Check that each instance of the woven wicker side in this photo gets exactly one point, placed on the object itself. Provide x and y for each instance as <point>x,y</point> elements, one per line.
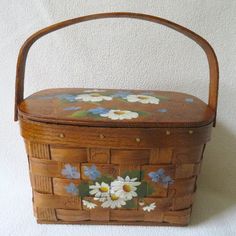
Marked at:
<point>53,203</point>
<point>41,182</point>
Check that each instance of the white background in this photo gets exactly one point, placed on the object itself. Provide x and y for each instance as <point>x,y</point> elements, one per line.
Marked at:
<point>120,53</point>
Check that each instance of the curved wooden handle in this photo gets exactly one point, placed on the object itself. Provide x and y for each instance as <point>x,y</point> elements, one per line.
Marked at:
<point>212,60</point>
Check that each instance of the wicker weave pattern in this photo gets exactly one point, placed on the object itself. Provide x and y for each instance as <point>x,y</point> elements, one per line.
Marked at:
<point>53,204</point>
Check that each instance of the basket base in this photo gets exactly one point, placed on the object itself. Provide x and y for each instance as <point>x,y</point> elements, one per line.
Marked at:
<point>110,223</point>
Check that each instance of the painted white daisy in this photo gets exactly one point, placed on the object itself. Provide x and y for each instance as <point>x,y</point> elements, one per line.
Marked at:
<point>92,97</point>
<point>100,191</point>
<point>120,114</point>
<point>89,205</point>
<point>125,188</point>
<point>100,199</point>
<point>150,207</point>
<point>113,201</point>
<point>145,99</point>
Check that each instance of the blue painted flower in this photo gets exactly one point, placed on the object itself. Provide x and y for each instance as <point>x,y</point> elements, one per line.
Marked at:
<point>189,100</point>
<point>163,110</point>
<point>98,110</point>
<point>121,94</point>
<point>159,176</point>
<point>67,97</point>
<point>92,172</point>
<point>71,188</point>
<point>70,172</point>
<point>156,176</point>
<point>166,180</point>
<point>71,108</point>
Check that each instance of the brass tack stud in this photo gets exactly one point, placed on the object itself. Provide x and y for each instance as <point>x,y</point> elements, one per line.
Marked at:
<point>167,132</point>
<point>62,135</point>
<point>101,136</point>
<point>190,131</point>
<point>138,140</point>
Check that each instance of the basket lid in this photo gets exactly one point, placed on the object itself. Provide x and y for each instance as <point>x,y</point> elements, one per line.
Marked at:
<point>116,108</point>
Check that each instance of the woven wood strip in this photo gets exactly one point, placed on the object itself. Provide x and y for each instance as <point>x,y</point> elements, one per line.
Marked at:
<point>55,201</point>
<point>49,168</point>
<point>62,154</point>
<point>139,157</point>
<point>188,155</point>
<point>183,187</point>
<point>178,217</point>
<point>38,150</point>
<point>105,169</point>
<point>99,155</point>
<point>72,215</point>
<point>52,168</point>
<point>100,215</point>
<point>46,214</point>
<point>183,202</point>
<point>42,184</point>
<point>59,186</point>
<point>126,215</point>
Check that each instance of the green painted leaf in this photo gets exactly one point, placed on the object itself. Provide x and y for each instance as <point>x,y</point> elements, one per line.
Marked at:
<point>105,179</point>
<point>95,116</point>
<point>143,113</point>
<point>162,97</point>
<point>67,101</point>
<point>141,175</point>
<point>78,114</point>
<point>132,174</point>
<point>130,204</point>
<point>83,189</point>
<point>150,190</point>
<point>142,189</point>
<point>121,99</point>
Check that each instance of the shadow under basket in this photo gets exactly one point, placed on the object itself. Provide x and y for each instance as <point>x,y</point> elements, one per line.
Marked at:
<point>106,156</point>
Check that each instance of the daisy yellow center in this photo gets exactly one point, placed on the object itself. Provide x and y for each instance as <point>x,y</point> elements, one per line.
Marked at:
<point>127,188</point>
<point>119,112</point>
<point>103,189</point>
<point>114,197</point>
<point>142,97</point>
<point>95,95</point>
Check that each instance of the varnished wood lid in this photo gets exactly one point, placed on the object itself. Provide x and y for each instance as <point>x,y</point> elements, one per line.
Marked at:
<point>116,108</point>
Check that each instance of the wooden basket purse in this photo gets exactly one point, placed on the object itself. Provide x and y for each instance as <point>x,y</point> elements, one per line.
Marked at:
<point>106,156</point>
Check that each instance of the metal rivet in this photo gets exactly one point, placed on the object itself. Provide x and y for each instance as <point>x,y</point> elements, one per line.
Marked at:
<point>190,131</point>
<point>101,136</point>
<point>167,132</point>
<point>138,140</point>
<point>62,135</point>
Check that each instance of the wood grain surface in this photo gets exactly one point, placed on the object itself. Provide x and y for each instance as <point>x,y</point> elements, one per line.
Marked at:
<point>173,110</point>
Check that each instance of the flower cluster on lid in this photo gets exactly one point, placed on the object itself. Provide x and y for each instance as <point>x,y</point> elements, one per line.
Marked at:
<point>96,95</point>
